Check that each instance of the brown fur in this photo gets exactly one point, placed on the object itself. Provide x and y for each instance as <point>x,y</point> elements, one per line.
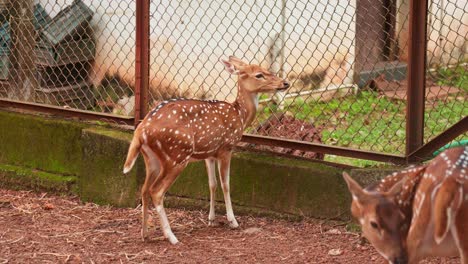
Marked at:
<point>179,131</point>
<point>418,212</point>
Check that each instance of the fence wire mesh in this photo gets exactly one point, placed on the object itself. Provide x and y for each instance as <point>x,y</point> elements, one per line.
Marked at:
<point>346,61</point>
<point>66,53</point>
<point>447,57</point>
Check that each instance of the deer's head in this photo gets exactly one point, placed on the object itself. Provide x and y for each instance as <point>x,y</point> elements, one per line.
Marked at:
<point>381,219</point>
<point>253,78</point>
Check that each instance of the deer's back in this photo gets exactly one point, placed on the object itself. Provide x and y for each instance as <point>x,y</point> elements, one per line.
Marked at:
<point>444,185</point>
<point>191,128</point>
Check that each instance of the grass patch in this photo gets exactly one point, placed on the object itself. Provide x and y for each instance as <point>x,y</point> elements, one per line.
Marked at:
<point>456,77</point>
<point>369,121</point>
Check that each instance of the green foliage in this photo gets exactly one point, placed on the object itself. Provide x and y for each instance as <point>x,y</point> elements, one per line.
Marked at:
<point>452,77</point>
<point>370,121</point>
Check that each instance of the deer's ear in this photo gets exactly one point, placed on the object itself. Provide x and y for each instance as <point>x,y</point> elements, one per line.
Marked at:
<point>237,61</point>
<point>230,67</point>
<point>354,188</point>
<point>447,201</point>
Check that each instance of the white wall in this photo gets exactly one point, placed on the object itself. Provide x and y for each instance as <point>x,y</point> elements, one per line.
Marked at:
<point>448,31</point>
<point>189,37</point>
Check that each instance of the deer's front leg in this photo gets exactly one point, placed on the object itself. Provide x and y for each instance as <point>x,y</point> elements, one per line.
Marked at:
<point>224,163</point>
<point>460,232</point>
<point>210,168</point>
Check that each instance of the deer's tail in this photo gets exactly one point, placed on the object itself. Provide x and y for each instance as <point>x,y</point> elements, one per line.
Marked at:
<point>132,155</point>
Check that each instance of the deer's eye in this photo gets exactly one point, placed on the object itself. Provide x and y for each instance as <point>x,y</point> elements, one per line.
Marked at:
<point>374,225</point>
<point>260,76</point>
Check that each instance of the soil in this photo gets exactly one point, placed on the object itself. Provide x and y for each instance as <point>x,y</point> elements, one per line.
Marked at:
<point>282,125</point>
<point>43,228</point>
<point>398,89</point>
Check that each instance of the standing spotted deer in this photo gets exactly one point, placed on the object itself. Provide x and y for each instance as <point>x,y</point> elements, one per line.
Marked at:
<point>418,212</point>
<point>179,131</point>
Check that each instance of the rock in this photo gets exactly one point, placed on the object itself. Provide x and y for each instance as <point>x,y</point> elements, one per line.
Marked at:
<point>335,252</point>
<point>125,106</point>
<point>334,231</point>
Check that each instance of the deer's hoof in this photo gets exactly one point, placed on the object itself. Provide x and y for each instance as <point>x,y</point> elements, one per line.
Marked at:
<point>173,240</point>
<point>233,224</point>
<point>143,236</point>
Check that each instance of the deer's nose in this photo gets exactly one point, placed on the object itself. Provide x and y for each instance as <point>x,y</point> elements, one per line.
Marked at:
<point>286,84</point>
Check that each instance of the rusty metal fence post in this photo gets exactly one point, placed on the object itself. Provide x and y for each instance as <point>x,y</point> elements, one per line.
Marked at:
<point>142,59</point>
<point>416,75</point>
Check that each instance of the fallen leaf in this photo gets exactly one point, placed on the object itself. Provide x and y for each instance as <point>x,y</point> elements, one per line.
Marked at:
<point>48,206</point>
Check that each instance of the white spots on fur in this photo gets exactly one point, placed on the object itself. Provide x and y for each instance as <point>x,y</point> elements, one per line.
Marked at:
<point>418,201</point>
<point>210,126</point>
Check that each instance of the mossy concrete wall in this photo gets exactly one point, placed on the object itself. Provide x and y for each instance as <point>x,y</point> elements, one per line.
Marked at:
<point>36,142</point>
<point>89,159</point>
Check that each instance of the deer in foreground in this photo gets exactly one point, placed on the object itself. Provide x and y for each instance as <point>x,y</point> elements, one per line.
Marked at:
<point>418,212</point>
<point>179,131</point>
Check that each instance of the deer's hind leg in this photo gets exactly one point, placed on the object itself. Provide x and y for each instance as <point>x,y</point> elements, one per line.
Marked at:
<point>158,189</point>
<point>152,166</point>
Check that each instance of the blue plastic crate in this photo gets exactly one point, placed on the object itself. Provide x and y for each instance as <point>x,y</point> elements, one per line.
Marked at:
<point>71,22</point>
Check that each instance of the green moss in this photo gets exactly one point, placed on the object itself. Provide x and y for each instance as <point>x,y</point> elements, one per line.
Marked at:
<point>38,142</point>
<point>367,176</point>
<point>197,204</point>
<point>19,178</point>
<point>278,160</point>
<point>96,154</point>
<point>111,133</point>
<point>101,177</point>
<point>273,183</point>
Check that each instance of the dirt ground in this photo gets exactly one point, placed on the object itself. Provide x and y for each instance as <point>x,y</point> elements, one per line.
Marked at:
<point>43,228</point>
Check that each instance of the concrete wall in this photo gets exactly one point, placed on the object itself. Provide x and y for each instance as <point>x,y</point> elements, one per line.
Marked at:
<point>447,27</point>
<point>51,154</point>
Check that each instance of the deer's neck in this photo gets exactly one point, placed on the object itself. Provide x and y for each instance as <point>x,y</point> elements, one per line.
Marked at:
<point>406,198</point>
<point>246,103</point>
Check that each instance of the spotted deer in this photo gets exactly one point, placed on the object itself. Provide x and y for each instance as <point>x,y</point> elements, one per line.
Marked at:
<point>179,131</point>
<point>418,212</point>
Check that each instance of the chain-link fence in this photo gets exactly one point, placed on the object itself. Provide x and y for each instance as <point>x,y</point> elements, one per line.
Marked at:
<point>67,53</point>
<point>447,58</point>
<point>347,62</point>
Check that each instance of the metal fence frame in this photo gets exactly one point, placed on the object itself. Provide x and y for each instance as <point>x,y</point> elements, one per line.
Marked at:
<point>416,150</point>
